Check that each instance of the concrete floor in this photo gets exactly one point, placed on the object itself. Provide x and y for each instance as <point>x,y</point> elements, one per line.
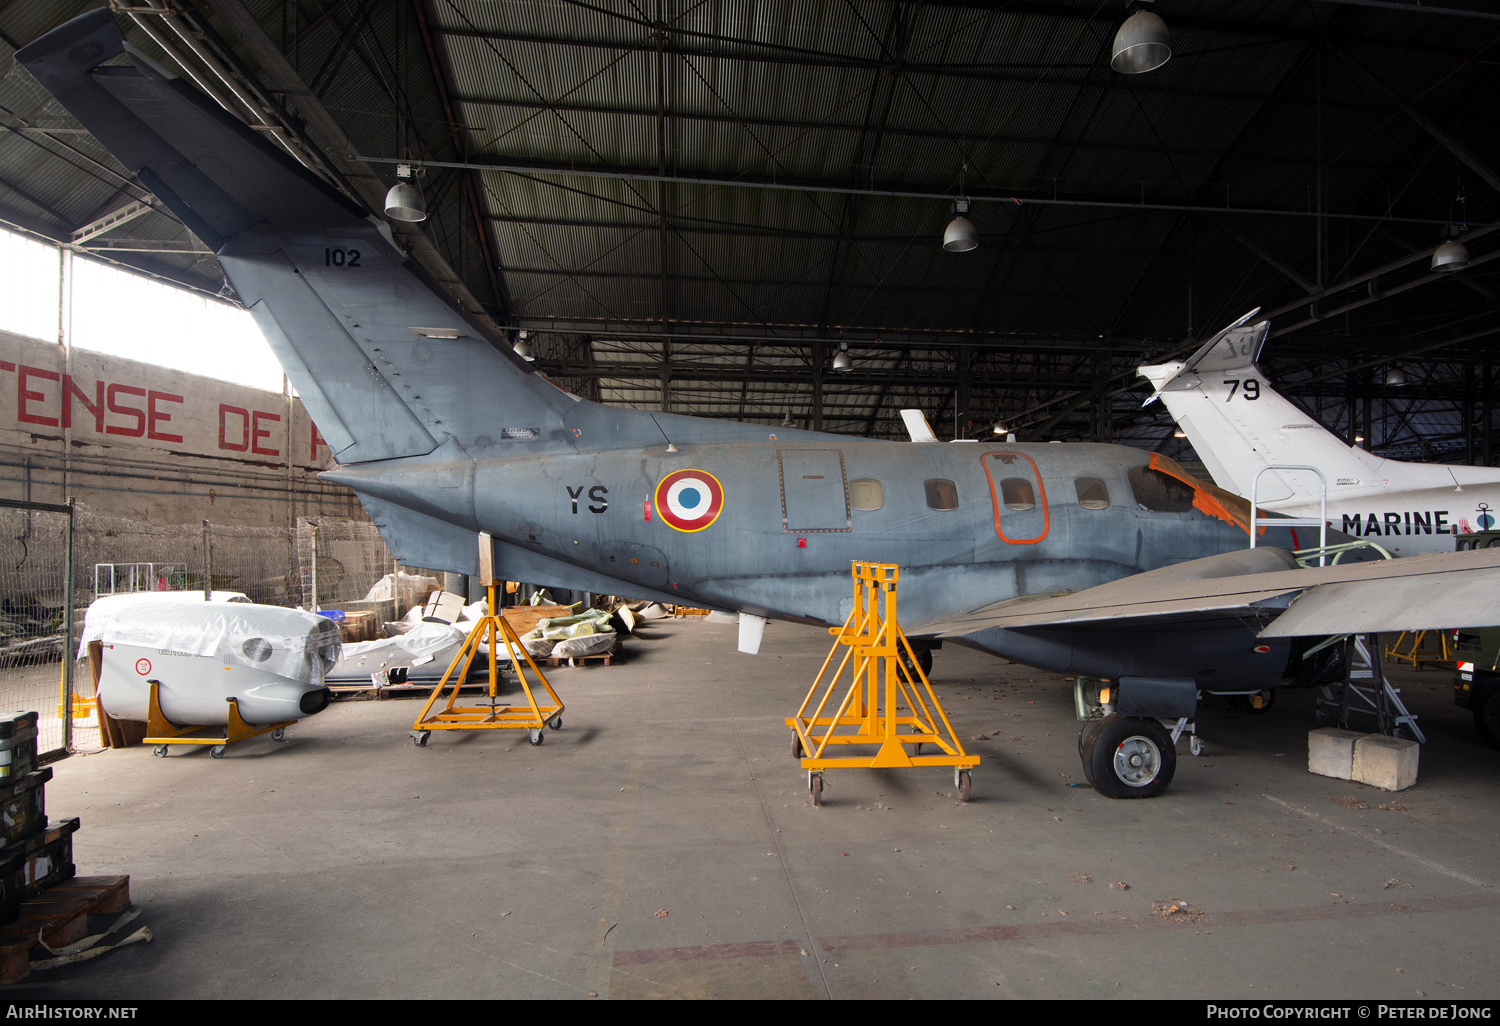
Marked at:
<point>662,845</point>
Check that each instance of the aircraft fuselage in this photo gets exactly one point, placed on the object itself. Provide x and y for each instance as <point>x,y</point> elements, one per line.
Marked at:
<point>770,528</point>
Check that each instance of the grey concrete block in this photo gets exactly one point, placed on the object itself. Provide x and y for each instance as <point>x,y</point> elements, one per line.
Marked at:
<point>1330,752</point>
<point>1386,762</point>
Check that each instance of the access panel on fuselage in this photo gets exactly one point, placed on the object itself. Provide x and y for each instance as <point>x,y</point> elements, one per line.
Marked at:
<point>1017,497</point>
<point>814,493</point>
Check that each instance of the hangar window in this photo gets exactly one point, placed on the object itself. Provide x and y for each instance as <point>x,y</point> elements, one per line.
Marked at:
<point>1091,493</point>
<point>942,493</point>
<point>866,493</point>
<point>1017,493</point>
<point>1158,492</point>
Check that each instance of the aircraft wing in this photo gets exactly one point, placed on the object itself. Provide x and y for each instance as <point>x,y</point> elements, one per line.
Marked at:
<point>1416,593</point>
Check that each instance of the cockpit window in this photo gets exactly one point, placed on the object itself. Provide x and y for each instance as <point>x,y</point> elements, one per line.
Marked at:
<point>1091,493</point>
<point>1017,493</point>
<point>866,493</point>
<point>1159,493</point>
<point>942,493</point>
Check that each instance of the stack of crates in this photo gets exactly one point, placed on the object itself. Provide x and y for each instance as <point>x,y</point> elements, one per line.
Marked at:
<point>34,855</point>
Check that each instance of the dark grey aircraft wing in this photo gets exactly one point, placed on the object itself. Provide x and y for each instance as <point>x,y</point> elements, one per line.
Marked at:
<point>1416,593</point>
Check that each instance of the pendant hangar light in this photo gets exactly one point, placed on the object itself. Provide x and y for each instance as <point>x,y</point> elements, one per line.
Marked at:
<point>1395,377</point>
<point>1452,255</point>
<point>841,362</point>
<point>960,236</point>
<point>1142,43</point>
<point>523,348</point>
<point>403,202</point>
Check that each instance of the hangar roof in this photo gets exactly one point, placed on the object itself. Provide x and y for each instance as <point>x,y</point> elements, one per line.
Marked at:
<point>696,204</point>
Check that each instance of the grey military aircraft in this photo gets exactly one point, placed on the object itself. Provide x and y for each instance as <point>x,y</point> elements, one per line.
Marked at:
<point>1091,560</point>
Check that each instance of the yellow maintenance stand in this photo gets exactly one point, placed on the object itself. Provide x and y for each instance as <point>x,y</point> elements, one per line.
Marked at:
<point>886,678</point>
<point>1416,651</point>
<point>489,630</point>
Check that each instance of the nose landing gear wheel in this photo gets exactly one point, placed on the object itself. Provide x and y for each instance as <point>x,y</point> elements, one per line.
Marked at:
<point>1129,757</point>
<point>815,786</point>
<point>535,737</point>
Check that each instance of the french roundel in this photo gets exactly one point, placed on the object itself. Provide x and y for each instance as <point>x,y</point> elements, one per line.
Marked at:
<point>689,500</point>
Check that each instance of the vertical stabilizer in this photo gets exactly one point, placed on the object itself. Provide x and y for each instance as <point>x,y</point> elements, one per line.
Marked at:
<point>386,363</point>
<point>1239,425</point>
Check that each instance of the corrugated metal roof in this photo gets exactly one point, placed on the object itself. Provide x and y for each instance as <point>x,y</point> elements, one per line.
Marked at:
<point>1260,103</point>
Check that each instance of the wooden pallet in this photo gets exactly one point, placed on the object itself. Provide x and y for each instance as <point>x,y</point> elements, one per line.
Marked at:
<point>61,916</point>
<point>553,662</point>
<point>523,618</point>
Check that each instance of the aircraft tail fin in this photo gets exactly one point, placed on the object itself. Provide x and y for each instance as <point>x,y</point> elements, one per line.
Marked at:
<point>386,364</point>
<point>1240,426</point>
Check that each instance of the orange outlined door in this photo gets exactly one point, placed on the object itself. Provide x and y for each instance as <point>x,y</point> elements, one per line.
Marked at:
<point>1018,498</point>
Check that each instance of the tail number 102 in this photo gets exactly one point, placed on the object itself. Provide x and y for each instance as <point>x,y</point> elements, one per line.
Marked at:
<point>340,258</point>
<point>1251,388</point>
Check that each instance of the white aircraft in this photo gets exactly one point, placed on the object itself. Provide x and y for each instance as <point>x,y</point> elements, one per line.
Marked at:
<point>1241,428</point>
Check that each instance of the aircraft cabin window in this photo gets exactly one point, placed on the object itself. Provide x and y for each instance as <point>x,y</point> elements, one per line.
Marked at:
<point>1091,493</point>
<point>1158,492</point>
<point>866,493</point>
<point>1017,493</point>
<point>942,493</point>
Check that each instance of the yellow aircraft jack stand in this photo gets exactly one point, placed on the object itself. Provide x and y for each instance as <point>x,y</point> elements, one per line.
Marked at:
<point>869,712</point>
<point>531,717</point>
<point>162,733</point>
<point>1416,654</point>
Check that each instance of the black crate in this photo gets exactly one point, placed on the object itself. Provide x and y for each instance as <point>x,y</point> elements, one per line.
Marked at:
<point>23,812</point>
<point>17,746</point>
<point>30,866</point>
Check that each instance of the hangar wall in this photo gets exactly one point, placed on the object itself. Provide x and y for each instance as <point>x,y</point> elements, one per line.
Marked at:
<point>151,443</point>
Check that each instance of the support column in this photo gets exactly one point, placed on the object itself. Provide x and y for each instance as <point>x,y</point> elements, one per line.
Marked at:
<point>819,354</point>
<point>65,340</point>
<point>1468,408</point>
<point>1488,410</point>
<point>1366,401</point>
<point>964,361</point>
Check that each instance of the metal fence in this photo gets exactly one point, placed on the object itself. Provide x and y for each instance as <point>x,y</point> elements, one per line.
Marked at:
<point>317,564</point>
<point>38,613</point>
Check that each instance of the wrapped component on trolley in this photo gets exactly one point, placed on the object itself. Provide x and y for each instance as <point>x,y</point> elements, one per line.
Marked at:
<point>271,661</point>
